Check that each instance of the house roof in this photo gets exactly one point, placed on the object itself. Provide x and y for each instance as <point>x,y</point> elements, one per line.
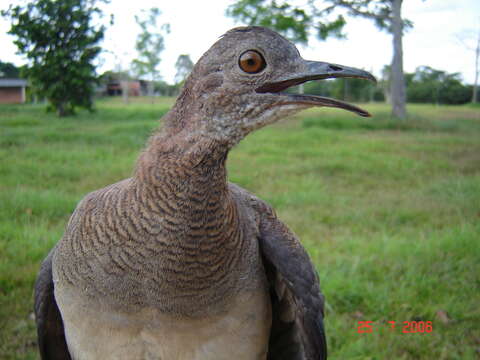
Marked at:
<point>13,82</point>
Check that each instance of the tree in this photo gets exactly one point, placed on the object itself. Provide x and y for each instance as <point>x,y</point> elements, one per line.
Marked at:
<point>386,83</point>
<point>428,85</point>
<point>150,43</point>
<point>295,24</point>
<point>387,16</point>
<point>475,84</point>
<point>467,38</point>
<point>166,89</point>
<point>353,90</point>
<point>9,70</point>
<point>184,66</point>
<point>60,43</point>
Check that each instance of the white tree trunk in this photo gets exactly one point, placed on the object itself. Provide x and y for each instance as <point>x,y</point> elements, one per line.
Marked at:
<point>150,88</point>
<point>151,91</point>
<point>124,84</point>
<point>398,82</point>
<point>475,84</point>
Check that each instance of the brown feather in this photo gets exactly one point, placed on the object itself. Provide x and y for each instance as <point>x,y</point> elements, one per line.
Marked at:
<point>176,244</point>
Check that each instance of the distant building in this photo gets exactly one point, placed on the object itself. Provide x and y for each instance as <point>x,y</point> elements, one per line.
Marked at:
<point>12,91</point>
<point>116,83</point>
<point>116,87</point>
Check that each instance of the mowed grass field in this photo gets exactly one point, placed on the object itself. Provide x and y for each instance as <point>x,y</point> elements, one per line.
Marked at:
<point>389,212</point>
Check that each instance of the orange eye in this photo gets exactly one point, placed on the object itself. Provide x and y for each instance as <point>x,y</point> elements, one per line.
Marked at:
<point>251,62</point>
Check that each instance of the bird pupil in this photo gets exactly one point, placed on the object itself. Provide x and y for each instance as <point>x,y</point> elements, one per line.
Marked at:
<point>251,62</point>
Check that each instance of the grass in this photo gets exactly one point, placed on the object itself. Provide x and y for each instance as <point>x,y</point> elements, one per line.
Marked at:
<point>389,212</point>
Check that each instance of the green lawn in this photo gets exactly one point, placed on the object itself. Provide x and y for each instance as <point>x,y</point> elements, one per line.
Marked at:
<point>390,212</point>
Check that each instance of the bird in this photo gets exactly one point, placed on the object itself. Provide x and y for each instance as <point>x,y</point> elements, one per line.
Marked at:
<point>176,262</point>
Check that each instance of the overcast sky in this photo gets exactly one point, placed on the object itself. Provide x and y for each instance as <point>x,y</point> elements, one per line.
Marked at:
<point>195,25</point>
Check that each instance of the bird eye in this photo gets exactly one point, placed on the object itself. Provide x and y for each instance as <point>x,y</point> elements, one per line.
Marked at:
<point>251,62</point>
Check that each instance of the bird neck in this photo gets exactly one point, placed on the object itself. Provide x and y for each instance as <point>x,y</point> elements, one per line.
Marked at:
<point>184,175</point>
<point>183,182</point>
<point>184,163</point>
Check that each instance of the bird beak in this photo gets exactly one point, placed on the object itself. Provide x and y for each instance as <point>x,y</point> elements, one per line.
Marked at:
<point>317,70</point>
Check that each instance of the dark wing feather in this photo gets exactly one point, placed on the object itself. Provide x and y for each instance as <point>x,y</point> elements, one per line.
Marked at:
<point>297,304</point>
<point>51,336</point>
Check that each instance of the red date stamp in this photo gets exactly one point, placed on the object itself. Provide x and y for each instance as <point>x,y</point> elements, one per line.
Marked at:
<point>408,327</point>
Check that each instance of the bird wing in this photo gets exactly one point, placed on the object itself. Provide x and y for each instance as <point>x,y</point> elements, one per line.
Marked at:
<point>51,335</point>
<point>297,304</point>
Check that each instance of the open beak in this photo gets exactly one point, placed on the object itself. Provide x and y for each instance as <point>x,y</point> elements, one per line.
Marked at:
<point>316,70</point>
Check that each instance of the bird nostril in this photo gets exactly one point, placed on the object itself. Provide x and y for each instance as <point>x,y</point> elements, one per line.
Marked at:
<point>334,68</point>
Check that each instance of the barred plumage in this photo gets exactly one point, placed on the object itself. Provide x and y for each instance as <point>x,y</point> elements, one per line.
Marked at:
<point>177,263</point>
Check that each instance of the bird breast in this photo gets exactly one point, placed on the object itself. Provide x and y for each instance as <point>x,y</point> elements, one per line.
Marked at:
<point>136,253</point>
<point>95,331</point>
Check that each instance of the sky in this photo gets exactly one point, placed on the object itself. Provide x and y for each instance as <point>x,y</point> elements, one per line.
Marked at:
<point>196,25</point>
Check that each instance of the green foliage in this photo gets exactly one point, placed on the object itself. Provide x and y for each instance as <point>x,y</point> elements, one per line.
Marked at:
<point>353,90</point>
<point>150,44</point>
<point>428,85</point>
<point>184,66</point>
<point>293,22</point>
<point>380,11</point>
<point>296,23</point>
<point>165,89</point>
<point>9,70</point>
<point>110,75</point>
<point>389,215</point>
<point>60,42</point>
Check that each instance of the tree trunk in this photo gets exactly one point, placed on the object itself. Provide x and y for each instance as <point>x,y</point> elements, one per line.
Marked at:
<point>346,94</point>
<point>125,86</point>
<point>398,82</point>
<point>301,90</point>
<point>387,92</point>
<point>475,84</point>
<point>151,91</point>
<point>61,111</point>
<point>372,88</point>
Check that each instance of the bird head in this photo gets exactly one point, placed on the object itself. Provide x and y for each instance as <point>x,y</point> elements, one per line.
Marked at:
<point>238,85</point>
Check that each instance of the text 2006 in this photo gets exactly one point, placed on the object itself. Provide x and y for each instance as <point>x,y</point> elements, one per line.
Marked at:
<point>410,327</point>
